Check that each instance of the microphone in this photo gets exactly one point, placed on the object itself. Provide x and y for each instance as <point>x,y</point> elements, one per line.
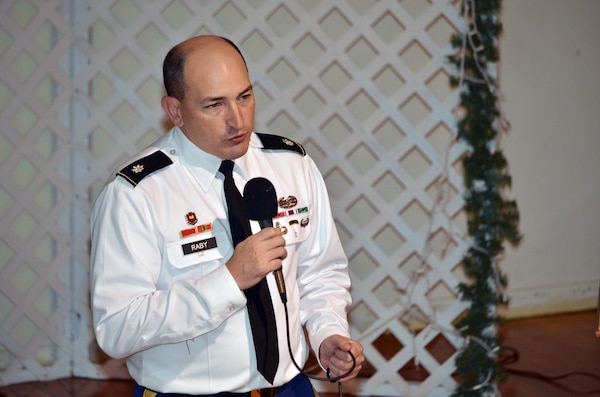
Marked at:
<point>261,204</point>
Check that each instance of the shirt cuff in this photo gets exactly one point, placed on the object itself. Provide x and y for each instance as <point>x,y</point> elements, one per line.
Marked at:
<point>226,296</point>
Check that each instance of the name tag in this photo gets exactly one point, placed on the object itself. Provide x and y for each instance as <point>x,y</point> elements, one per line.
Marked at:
<point>200,245</point>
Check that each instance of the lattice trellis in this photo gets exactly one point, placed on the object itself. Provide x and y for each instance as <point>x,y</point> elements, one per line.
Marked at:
<point>361,83</point>
<point>35,192</point>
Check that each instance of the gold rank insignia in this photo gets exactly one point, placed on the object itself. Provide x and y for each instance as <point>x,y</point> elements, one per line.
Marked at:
<point>275,142</point>
<point>135,172</point>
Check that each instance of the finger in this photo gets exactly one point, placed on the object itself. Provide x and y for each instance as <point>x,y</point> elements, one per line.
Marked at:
<point>270,232</point>
<point>343,354</point>
<point>342,365</point>
<point>281,253</point>
<point>273,242</point>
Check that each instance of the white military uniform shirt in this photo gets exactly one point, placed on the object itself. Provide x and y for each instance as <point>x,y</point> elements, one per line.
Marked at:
<point>161,295</point>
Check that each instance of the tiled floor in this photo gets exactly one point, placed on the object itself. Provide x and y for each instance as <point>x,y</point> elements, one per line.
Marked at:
<point>546,346</point>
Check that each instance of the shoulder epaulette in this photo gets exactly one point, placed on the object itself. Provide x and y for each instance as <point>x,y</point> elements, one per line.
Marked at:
<point>143,167</point>
<point>276,142</point>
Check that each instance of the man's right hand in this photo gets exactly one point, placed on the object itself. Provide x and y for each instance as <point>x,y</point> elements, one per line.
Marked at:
<point>256,256</point>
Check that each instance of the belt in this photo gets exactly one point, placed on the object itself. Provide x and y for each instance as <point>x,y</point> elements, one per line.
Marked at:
<point>266,392</point>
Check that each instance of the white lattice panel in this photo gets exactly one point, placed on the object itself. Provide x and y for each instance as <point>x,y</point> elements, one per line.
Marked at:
<point>35,191</point>
<point>361,83</point>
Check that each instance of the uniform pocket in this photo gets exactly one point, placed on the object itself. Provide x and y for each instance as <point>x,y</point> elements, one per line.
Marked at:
<point>199,249</point>
<point>295,228</point>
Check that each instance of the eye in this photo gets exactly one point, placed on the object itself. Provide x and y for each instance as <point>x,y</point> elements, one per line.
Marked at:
<point>213,105</point>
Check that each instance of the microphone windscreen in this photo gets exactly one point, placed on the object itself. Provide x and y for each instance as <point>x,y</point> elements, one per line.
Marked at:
<point>261,199</point>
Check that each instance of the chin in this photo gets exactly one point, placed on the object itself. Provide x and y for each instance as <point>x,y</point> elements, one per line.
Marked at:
<point>237,151</point>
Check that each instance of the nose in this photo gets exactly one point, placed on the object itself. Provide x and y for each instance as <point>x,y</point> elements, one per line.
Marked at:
<point>235,118</point>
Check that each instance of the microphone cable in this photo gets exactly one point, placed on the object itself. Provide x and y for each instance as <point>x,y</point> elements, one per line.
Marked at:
<point>328,377</point>
<point>511,355</point>
<point>261,204</point>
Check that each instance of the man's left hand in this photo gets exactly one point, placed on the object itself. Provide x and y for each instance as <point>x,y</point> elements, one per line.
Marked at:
<point>334,356</point>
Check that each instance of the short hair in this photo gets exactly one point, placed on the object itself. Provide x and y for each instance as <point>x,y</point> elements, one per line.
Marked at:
<point>174,63</point>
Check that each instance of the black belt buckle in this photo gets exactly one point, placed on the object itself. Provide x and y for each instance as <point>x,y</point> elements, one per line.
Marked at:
<point>268,392</point>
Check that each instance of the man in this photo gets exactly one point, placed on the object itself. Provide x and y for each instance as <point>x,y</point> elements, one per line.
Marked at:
<point>168,283</point>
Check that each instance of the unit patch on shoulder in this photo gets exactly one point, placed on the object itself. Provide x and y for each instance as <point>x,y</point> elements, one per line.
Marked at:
<point>276,142</point>
<point>143,167</point>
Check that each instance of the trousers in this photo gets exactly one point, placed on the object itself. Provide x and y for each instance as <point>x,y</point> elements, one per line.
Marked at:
<point>299,386</point>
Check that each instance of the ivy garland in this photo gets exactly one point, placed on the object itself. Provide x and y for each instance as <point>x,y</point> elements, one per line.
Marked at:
<point>492,220</point>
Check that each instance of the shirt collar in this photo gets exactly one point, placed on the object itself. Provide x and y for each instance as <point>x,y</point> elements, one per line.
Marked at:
<point>205,165</point>
<point>245,163</point>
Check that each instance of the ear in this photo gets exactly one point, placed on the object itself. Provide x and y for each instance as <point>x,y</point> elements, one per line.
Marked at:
<point>172,108</point>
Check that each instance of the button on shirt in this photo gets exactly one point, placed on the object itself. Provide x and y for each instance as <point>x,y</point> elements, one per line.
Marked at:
<point>177,314</point>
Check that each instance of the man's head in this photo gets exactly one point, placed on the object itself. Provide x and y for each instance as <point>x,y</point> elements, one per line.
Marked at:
<point>174,61</point>
<point>209,95</point>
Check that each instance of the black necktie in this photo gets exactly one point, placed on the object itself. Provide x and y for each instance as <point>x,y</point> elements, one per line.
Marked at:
<point>260,307</point>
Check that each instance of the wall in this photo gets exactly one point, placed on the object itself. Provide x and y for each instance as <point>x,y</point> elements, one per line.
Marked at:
<point>548,71</point>
<point>363,85</point>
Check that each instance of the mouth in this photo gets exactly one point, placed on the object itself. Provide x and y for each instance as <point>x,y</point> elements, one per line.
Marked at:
<point>239,138</point>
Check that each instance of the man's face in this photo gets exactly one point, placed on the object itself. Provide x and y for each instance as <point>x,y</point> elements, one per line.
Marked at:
<point>217,112</point>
